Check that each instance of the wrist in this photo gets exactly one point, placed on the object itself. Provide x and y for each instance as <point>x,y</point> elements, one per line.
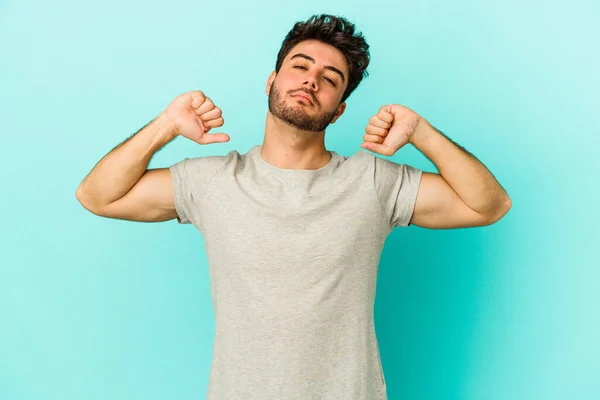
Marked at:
<point>156,133</point>
<point>421,134</point>
<point>166,127</point>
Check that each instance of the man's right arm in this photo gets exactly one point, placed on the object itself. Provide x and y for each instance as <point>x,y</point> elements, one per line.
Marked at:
<point>120,185</point>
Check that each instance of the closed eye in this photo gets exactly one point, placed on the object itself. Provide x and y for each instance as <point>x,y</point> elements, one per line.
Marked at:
<point>331,81</point>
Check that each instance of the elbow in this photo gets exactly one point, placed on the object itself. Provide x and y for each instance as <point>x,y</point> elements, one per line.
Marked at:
<point>85,201</point>
<point>79,193</point>
<point>507,204</point>
<point>500,210</point>
<point>81,198</point>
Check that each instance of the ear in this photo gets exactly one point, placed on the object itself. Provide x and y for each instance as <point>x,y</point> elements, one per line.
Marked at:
<point>340,110</point>
<point>270,82</point>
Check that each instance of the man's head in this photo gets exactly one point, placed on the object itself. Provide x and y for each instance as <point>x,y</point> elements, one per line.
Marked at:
<point>322,59</point>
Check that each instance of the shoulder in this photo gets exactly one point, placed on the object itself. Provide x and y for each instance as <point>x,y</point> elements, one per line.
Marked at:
<point>204,165</point>
<point>359,159</point>
<point>385,172</point>
<point>369,162</point>
<point>217,160</point>
<point>212,160</point>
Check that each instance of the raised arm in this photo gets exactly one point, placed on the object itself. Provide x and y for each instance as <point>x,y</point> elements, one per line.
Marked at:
<point>464,193</point>
<point>121,186</point>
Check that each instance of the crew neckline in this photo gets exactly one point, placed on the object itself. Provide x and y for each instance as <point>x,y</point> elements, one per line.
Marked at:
<point>276,169</point>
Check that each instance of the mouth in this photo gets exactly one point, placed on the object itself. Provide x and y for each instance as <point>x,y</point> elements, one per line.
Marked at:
<point>303,96</point>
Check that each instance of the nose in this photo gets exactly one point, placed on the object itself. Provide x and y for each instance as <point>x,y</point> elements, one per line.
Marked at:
<point>311,82</point>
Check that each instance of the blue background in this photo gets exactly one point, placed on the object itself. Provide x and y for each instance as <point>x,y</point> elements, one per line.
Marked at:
<point>93,308</point>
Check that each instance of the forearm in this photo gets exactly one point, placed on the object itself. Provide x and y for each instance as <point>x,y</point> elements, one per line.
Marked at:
<point>118,171</point>
<point>469,178</point>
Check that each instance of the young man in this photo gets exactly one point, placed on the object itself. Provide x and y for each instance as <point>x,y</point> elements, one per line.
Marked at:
<point>293,232</point>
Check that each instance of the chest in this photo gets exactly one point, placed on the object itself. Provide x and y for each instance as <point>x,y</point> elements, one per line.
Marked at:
<point>295,226</point>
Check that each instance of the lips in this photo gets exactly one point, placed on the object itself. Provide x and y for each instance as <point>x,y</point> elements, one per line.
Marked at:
<point>304,96</point>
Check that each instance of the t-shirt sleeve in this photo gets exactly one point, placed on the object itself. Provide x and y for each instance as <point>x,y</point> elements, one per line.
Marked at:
<point>397,186</point>
<point>191,178</point>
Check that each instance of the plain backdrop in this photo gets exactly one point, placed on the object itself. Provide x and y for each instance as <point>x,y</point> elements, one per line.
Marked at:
<point>95,309</point>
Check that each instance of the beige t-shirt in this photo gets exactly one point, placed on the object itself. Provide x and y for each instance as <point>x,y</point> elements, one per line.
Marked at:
<point>293,258</point>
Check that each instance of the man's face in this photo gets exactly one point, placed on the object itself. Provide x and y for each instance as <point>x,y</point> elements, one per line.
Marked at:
<point>307,91</point>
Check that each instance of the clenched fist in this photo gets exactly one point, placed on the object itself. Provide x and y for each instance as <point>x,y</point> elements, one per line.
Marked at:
<point>392,127</point>
<point>193,115</point>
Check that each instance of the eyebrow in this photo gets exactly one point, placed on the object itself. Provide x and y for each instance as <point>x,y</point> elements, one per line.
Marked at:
<point>329,67</point>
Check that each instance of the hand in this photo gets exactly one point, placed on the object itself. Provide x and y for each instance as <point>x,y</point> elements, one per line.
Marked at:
<point>193,115</point>
<point>390,129</point>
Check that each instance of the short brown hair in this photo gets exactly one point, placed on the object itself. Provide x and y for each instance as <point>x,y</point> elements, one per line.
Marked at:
<point>337,32</point>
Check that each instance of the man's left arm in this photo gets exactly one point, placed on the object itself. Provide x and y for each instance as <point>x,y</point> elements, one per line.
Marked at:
<point>463,194</point>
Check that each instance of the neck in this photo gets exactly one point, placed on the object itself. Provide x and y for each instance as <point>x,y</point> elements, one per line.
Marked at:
<point>287,147</point>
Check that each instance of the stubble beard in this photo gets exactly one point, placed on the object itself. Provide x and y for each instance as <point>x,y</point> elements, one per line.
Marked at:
<point>296,116</point>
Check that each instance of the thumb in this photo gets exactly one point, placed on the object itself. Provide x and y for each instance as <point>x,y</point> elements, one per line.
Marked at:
<point>378,148</point>
<point>209,138</point>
